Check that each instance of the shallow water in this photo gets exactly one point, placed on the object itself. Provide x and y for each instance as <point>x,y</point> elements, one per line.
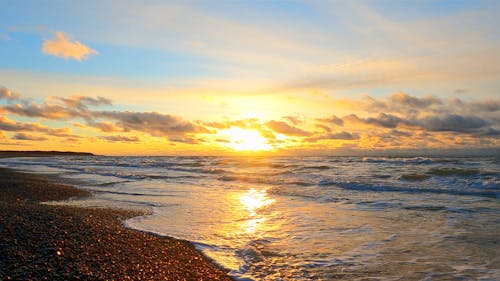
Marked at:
<point>303,218</point>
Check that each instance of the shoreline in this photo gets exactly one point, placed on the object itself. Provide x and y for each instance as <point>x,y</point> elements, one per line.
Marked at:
<point>57,242</point>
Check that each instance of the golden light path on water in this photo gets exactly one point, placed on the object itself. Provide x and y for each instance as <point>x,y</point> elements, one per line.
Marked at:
<point>252,201</point>
<point>246,216</point>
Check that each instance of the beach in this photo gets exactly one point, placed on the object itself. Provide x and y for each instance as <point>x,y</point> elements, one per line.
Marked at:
<point>45,242</point>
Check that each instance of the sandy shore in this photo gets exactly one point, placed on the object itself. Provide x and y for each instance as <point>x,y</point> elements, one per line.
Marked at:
<point>42,242</point>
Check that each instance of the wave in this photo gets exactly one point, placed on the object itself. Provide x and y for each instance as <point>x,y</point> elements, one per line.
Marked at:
<point>259,179</point>
<point>105,184</point>
<point>163,177</point>
<point>409,160</point>
<point>318,167</point>
<point>127,193</point>
<point>301,183</point>
<point>414,177</point>
<point>228,178</point>
<point>490,174</point>
<point>385,205</point>
<point>283,166</point>
<point>448,172</point>
<point>385,188</point>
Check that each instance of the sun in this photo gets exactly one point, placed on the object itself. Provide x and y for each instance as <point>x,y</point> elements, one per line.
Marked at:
<point>245,139</point>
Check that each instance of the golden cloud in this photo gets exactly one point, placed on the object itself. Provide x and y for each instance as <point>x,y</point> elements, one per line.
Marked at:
<point>62,47</point>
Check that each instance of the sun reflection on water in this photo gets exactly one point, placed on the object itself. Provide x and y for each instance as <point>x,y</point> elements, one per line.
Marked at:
<point>255,199</point>
<point>252,201</point>
<point>251,226</point>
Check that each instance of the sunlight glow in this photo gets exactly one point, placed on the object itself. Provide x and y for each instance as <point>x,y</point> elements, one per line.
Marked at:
<point>252,201</point>
<point>245,140</point>
<point>252,225</point>
<point>255,199</point>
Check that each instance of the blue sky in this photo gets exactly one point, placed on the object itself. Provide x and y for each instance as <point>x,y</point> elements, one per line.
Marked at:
<point>134,43</point>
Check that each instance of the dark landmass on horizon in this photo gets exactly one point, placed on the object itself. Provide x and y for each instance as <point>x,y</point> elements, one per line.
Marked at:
<point>47,242</point>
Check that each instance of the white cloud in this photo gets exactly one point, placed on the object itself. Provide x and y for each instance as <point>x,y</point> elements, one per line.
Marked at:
<point>62,47</point>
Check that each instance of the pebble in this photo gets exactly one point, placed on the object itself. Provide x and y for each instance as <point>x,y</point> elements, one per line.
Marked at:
<point>42,242</point>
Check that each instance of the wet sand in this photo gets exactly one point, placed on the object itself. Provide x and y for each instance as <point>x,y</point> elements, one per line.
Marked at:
<point>45,242</point>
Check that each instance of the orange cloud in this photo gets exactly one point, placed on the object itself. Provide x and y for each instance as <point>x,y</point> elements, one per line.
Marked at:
<point>62,47</point>
<point>28,137</point>
<point>12,126</point>
<point>119,138</point>
<point>285,129</point>
<point>395,121</point>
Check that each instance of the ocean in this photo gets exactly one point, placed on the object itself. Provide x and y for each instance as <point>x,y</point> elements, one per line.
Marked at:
<point>308,218</point>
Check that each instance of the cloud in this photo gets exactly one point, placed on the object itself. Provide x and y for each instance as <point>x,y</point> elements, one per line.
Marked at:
<point>83,102</point>
<point>23,136</point>
<point>323,127</point>
<point>387,121</point>
<point>425,113</point>
<point>293,119</point>
<point>62,47</point>
<point>284,128</point>
<point>419,52</point>
<point>334,136</point>
<point>121,138</point>
<point>13,126</point>
<point>453,123</point>
<point>55,108</point>
<point>63,108</point>
<point>399,133</point>
<point>105,126</point>
<point>247,123</point>
<point>8,94</point>
<point>397,120</point>
<point>153,123</point>
<point>490,105</point>
<point>185,140</point>
<point>400,103</point>
<point>413,107</point>
<point>403,99</point>
<point>342,136</point>
<point>333,120</point>
<point>490,132</point>
<point>42,111</point>
<point>432,123</point>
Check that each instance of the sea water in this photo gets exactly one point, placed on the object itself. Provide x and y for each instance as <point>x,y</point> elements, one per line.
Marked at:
<point>309,218</point>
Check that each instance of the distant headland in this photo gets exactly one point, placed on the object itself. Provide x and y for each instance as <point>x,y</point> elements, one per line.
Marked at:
<point>37,153</point>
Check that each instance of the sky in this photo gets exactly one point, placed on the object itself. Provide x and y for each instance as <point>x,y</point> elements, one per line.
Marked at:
<point>238,77</point>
